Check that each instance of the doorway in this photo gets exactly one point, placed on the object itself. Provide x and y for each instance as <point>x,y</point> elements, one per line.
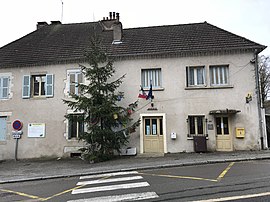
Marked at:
<point>223,134</point>
<point>153,135</point>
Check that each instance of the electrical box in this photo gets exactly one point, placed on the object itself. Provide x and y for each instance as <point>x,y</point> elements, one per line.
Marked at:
<point>173,135</point>
<point>240,132</point>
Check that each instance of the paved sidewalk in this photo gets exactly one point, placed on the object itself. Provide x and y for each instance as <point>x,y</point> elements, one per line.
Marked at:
<point>26,170</point>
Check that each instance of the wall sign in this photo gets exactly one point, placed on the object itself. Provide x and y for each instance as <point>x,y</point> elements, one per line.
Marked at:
<point>36,130</point>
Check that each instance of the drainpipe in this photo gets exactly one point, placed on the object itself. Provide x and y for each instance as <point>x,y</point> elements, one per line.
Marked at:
<point>258,96</point>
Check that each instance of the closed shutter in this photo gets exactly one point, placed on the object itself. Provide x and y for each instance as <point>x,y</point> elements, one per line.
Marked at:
<point>3,128</point>
<point>49,85</point>
<point>26,86</point>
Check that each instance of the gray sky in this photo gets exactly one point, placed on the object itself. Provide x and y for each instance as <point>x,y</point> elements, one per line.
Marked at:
<point>247,18</point>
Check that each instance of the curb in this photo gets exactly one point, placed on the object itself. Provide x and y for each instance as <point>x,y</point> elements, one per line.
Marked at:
<point>147,167</point>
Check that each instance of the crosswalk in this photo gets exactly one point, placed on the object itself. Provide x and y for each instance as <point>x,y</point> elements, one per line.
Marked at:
<point>102,183</point>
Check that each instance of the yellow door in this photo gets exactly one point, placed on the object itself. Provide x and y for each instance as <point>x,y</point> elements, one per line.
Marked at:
<point>224,138</point>
<point>153,135</point>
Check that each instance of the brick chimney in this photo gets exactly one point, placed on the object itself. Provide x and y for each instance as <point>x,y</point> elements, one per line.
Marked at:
<point>112,23</point>
<point>41,24</point>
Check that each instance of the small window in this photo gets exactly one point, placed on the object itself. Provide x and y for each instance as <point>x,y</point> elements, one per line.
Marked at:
<point>75,126</point>
<point>75,77</point>
<point>196,126</point>
<point>151,76</point>
<point>195,76</point>
<point>4,87</point>
<point>219,75</point>
<point>37,85</point>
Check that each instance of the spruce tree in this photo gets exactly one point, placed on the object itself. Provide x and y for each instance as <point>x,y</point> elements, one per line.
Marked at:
<point>108,124</point>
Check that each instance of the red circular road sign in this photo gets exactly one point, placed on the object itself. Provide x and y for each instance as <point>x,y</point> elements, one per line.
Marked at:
<point>17,125</point>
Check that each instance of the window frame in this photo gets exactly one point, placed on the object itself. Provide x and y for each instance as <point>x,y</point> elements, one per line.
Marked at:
<point>2,77</point>
<point>194,82</point>
<point>76,72</point>
<point>71,136</point>
<point>28,86</point>
<point>219,75</point>
<point>147,75</point>
<point>196,126</point>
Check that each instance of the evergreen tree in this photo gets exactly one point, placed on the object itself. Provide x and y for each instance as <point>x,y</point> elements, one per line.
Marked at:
<point>108,124</point>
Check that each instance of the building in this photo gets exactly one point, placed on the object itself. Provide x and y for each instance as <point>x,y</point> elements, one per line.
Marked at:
<point>202,76</point>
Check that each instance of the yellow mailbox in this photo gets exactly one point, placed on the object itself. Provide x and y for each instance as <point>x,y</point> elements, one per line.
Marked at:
<point>240,132</point>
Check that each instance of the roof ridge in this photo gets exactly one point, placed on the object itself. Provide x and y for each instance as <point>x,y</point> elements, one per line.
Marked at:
<point>157,26</point>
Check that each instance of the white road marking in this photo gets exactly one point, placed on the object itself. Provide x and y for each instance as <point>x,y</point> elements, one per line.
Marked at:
<point>115,198</point>
<point>110,180</point>
<point>108,174</point>
<point>235,197</point>
<point>111,187</point>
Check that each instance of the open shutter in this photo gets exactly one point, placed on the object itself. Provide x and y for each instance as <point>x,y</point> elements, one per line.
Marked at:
<point>49,85</point>
<point>26,86</point>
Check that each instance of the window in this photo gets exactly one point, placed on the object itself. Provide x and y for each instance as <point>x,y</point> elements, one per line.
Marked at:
<point>4,87</point>
<point>196,126</point>
<point>37,86</point>
<point>75,126</point>
<point>219,75</point>
<point>153,126</point>
<point>195,76</point>
<point>74,78</point>
<point>151,76</point>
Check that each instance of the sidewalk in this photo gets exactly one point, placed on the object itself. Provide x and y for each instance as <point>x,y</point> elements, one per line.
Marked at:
<point>26,170</point>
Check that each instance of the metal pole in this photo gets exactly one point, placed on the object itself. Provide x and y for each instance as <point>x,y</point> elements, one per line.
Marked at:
<point>16,149</point>
<point>258,97</point>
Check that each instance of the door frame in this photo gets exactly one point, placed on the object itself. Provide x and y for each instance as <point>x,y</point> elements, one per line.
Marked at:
<point>230,132</point>
<point>142,116</point>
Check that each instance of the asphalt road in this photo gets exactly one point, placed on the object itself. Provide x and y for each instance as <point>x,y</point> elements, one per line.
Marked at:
<point>240,181</point>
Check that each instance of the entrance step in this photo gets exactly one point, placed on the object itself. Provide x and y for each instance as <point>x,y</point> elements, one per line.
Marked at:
<point>150,155</point>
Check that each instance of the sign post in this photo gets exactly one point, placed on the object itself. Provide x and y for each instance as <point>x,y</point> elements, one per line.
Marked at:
<point>17,126</point>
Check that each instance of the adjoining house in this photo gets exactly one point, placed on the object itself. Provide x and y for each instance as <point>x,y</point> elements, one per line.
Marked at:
<point>202,76</point>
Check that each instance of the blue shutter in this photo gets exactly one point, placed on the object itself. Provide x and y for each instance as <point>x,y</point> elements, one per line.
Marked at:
<point>26,86</point>
<point>49,85</point>
<point>3,128</point>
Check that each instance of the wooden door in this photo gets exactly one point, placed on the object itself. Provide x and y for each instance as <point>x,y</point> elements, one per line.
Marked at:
<point>153,135</point>
<point>224,137</point>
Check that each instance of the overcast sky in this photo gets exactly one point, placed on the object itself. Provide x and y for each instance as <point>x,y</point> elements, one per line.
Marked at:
<point>247,18</point>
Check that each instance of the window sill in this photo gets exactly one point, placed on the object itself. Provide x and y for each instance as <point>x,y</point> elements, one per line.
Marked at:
<point>191,138</point>
<point>155,89</point>
<point>208,87</point>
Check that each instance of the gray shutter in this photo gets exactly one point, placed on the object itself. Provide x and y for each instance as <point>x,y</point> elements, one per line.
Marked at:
<point>26,86</point>
<point>49,85</point>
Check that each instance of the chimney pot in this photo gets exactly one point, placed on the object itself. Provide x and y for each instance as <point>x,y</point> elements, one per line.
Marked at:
<point>110,14</point>
<point>113,15</point>
<point>117,17</point>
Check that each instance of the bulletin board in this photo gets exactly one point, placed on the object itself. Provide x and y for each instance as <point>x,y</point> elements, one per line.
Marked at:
<point>36,130</point>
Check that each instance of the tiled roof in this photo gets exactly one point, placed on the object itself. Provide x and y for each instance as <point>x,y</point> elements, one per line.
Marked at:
<point>67,42</point>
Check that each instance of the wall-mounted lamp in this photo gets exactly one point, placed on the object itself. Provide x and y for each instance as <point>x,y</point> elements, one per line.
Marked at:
<point>248,98</point>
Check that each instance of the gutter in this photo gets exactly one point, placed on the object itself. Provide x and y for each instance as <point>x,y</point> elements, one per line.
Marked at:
<point>258,96</point>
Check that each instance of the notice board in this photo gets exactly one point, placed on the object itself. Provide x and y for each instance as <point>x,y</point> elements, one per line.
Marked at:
<point>36,130</point>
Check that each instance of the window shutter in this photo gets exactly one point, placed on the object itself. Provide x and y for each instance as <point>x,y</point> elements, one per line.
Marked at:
<point>49,85</point>
<point>26,86</point>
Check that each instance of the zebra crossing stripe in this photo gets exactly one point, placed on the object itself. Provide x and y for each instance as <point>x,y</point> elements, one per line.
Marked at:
<point>111,187</point>
<point>124,197</point>
<point>108,174</point>
<point>109,180</point>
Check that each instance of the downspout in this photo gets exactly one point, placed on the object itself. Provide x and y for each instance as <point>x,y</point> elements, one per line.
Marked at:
<point>258,96</point>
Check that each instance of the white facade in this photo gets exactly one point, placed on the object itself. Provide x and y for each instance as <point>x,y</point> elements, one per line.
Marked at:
<point>177,102</point>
